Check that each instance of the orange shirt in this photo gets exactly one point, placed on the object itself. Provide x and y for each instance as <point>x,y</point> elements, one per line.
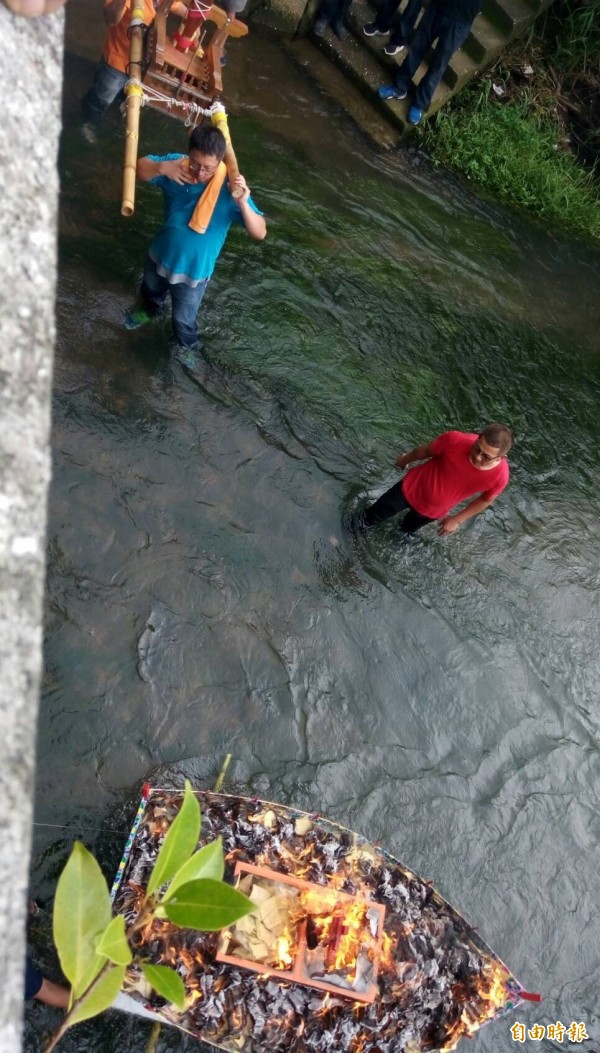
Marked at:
<point>116,45</point>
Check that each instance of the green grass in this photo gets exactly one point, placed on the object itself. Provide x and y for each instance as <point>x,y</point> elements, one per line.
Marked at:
<point>510,152</point>
<point>573,31</point>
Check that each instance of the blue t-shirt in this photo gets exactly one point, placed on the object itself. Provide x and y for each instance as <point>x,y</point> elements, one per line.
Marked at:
<point>33,979</point>
<point>180,253</point>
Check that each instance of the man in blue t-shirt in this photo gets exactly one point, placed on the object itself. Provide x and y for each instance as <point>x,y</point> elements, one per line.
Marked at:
<point>180,260</point>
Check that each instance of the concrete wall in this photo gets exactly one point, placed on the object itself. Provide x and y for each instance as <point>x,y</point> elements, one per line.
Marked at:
<point>31,80</point>
<point>284,16</point>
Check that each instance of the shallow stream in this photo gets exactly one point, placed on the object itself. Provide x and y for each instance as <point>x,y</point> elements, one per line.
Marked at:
<point>204,595</point>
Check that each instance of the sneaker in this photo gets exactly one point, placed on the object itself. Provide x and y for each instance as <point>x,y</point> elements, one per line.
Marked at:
<point>414,114</point>
<point>340,30</point>
<point>190,357</point>
<point>89,133</point>
<point>393,49</point>
<point>390,91</point>
<point>136,317</point>
<point>319,27</point>
<point>371,29</point>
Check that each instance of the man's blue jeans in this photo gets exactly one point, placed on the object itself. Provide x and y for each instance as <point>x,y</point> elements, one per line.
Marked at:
<point>185,302</point>
<point>108,83</point>
<point>450,35</point>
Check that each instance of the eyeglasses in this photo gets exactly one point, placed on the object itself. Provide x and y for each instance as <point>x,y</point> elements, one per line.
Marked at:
<point>208,170</point>
<point>487,458</point>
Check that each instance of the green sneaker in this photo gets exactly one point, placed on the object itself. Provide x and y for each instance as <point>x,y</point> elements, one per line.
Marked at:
<point>136,317</point>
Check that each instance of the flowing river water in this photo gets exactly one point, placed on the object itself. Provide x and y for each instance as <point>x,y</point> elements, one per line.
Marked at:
<point>204,594</point>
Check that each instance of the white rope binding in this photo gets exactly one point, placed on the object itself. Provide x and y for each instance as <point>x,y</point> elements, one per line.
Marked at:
<point>192,110</point>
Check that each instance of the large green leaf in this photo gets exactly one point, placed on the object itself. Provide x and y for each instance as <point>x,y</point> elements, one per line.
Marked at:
<point>90,973</point>
<point>166,982</point>
<point>207,863</point>
<point>81,912</point>
<point>179,843</point>
<point>207,904</point>
<point>113,942</point>
<point>100,997</point>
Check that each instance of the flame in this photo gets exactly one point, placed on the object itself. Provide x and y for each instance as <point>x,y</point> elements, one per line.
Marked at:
<point>491,988</point>
<point>388,945</point>
<point>283,951</point>
<point>352,938</point>
<point>489,996</point>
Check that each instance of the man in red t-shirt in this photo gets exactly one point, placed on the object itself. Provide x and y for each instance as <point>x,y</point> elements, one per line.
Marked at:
<point>457,465</point>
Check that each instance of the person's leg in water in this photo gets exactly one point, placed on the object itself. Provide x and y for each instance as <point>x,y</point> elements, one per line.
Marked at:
<point>186,300</point>
<point>153,294</point>
<point>392,503</point>
<point>413,521</point>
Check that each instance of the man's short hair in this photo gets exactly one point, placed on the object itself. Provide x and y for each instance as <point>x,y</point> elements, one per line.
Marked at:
<point>499,436</point>
<point>208,140</point>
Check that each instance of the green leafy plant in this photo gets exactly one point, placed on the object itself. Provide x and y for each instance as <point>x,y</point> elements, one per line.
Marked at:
<point>185,886</point>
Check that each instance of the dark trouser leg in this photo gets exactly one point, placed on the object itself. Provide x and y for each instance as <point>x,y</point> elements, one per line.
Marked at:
<point>389,504</point>
<point>386,12</point>
<point>413,521</point>
<point>333,10</point>
<point>451,36</point>
<point>425,34</point>
<point>154,288</point>
<point>402,34</point>
<point>186,304</point>
<point>107,84</point>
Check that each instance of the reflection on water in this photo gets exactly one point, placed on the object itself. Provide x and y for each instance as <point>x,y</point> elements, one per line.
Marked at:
<point>206,594</point>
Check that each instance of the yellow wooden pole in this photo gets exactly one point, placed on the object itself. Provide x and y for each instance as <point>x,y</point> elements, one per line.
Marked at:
<point>133,93</point>
<point>219,119</point>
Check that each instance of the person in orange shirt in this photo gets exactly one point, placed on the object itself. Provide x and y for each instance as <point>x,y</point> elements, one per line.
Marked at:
<point>111,74</point>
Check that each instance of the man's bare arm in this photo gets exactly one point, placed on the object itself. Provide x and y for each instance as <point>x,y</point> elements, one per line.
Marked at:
<point>254,224</point>
<point>53,994</point>
<point>420,453</point>
<point>113,11</point>
<point>451,523</point>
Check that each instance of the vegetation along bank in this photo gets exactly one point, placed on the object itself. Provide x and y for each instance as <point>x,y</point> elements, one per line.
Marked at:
<point>528,129</point>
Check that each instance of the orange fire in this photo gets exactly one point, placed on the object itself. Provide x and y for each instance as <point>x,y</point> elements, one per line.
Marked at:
<point>284,947</point>
<point>490,995</point>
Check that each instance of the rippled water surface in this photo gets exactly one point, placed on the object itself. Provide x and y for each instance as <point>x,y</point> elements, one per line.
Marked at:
<point>204,595</point>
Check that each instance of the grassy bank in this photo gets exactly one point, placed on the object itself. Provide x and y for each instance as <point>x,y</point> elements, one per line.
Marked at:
<point>527,130</point>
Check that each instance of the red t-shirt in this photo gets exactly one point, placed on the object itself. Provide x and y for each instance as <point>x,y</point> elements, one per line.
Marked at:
<point>434,487</point>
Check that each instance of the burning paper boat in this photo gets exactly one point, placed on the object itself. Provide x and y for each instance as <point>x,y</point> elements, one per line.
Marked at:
<point>347,950</point>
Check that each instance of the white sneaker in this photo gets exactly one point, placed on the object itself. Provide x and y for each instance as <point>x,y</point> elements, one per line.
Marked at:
<point>393,49</point>
<point>89,133</point>
<point>371,30</point>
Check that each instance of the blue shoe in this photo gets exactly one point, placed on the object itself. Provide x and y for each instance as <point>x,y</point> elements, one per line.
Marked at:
<point>414,114</point>
<point>390,91</point>
<point>136,317</point>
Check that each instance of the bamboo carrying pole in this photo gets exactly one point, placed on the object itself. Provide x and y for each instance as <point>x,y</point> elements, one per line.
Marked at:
<point>133,92</point>
<point>219,119</point>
